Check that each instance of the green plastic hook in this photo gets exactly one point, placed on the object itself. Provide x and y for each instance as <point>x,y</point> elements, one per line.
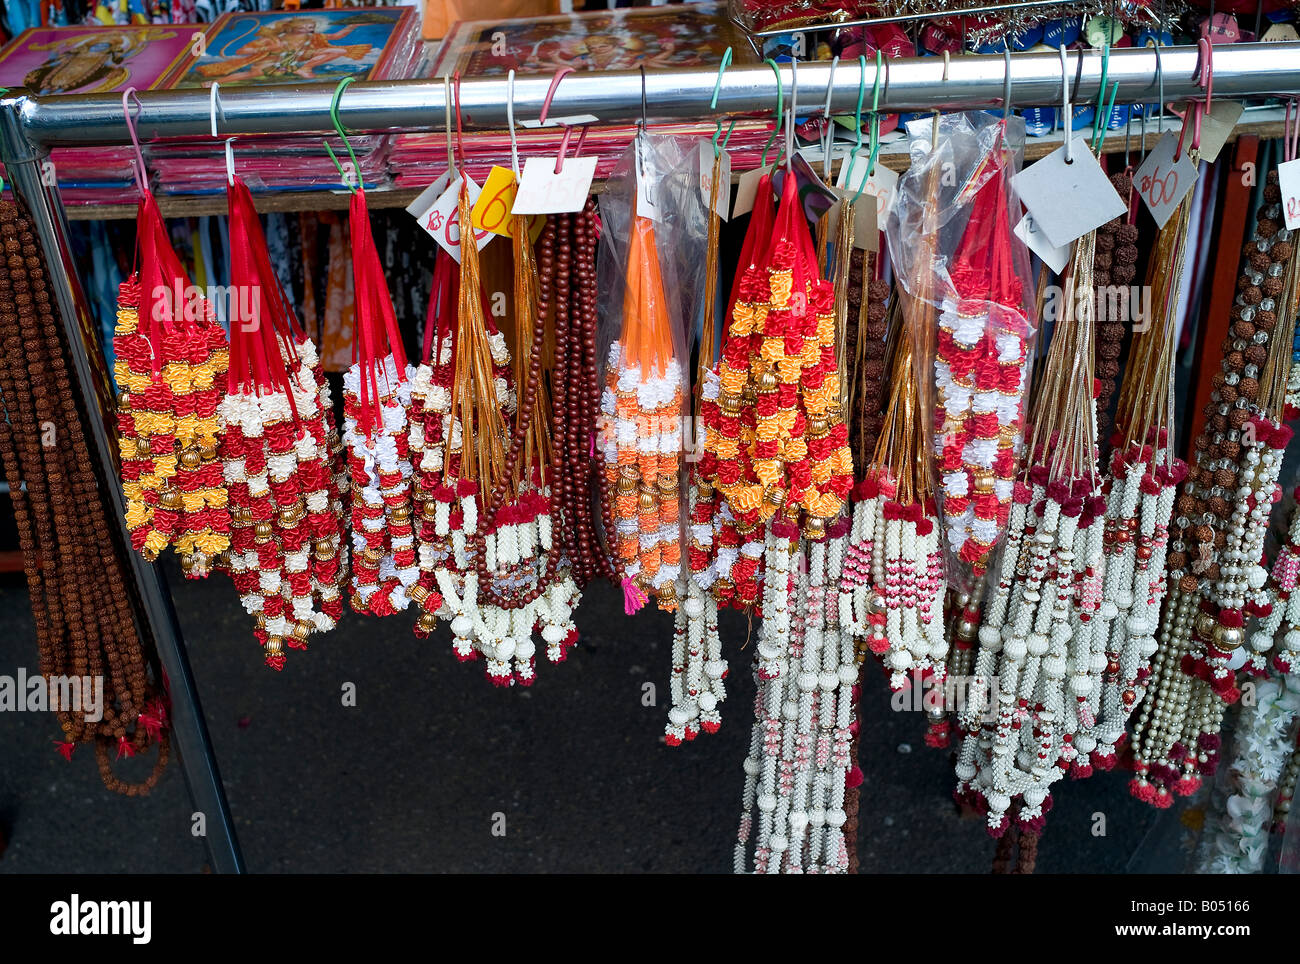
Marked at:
<point>713,105</point>
<point>338,126</point>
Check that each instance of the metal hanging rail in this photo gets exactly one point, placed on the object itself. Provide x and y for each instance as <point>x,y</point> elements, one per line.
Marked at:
<point>30,126</point>
<point>911,84</point>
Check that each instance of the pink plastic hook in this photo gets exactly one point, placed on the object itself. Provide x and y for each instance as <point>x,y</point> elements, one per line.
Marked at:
<point>141,173</point>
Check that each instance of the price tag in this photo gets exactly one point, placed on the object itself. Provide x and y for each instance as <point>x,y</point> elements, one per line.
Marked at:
<point>428,197</point>
<point>646,206</point>
<point>442,221</point>
<point>746,190</point>
<point>1068,200</point>
<point>1281,33</point>
<point>814,197</point>
<point>542,191</point>
<point>880,184</point>
<point>492,210</point>
<point>1054,257</point>
<point>573,120</point>
<point>723,206</point>
<point>1161,181</point>
<point>1288,182</point>
<point>1216,126</point>
<point>866,233</point>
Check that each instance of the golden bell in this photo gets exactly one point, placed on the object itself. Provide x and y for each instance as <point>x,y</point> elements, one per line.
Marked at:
<point>428,622</point>
<point>143,449</point>
<point>262,531</point>
<point>767,381</point>
<point>703,490</point>
<point>729,403</point>
<point>301,630</point>
<point>208,450</point>
<point>170,499</point>
<point>358,604</point>
<point>123,401</point>
<point>817,426</point>
<point>275,645</point>
<point>648,500</point>
<point>815,528</point>
<point>400,515</point>
<point>667,484</point>
<point>667,594</point>
<point>430,510</point>
<point>191,459</point>
<point>775,496</point>
<point>373,555</point>
<point>418,594</point>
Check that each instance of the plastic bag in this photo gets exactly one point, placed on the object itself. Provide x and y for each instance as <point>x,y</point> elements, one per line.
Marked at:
<point>652,269</point>
<point>950,236</point>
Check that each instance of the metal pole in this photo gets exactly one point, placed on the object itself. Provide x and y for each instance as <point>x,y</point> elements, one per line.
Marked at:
<point>914,83</point>
<point>25,168</point>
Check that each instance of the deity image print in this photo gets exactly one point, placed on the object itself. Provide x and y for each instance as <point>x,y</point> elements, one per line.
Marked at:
<point>89,63</point>
<point>285,49</point>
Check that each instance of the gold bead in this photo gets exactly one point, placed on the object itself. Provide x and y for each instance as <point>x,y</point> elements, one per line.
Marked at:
<point>170,499</point>
<point>191,458</point>
<point>815,528</point>
<point>123,401</point>
<point>208,450</point>
<point>301,630</point>
<point>817,426</point>
<point>262,531</point>
<point>428,622</point>
<point>775,496</point>
<point>143,448</point>
<point>767,381</point>
<point>274,645</point>
<point>648,500</point>
<point>400,515</point>
<point>418,594</point>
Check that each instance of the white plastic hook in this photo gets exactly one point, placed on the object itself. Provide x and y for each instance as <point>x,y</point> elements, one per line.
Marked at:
<point>214,107</point>
<point>1067,115</point>
<point>510,120</point>
<point>446,103</point>
<point>230,160</point>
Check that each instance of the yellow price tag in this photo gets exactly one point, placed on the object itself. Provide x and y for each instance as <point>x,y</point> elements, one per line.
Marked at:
<point>492,209</point>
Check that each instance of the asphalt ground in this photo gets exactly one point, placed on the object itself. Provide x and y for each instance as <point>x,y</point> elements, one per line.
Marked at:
<point>435,770</point>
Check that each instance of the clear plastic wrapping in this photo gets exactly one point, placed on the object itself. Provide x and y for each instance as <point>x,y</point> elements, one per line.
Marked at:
<point>951,238</point>
<point>651,271</point>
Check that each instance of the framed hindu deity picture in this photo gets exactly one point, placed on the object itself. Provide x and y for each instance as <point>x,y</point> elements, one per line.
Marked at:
<point>685,35</point>
<point>95,60</point>
<point>302,46</point>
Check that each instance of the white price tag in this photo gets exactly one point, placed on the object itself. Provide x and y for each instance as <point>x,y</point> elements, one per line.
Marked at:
<point>1163,182</point>
<point>542,191</point>
<point>880,184</point>
<point>573,120</point>
<point>723,206</point>
<point>1288,181</point>
<point>746,190</point>
<point>1054,257</point>
<point>1217,127</point>
<point>442,221</point>
<point>428,197</point>
<point>645,201</point>
<point>1068,200</point>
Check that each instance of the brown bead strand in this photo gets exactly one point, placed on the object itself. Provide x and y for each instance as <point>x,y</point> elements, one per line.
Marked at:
<point>523,422</point>
<point>1216,453</point>
<point>83,576</point>
<point>1114,263</point>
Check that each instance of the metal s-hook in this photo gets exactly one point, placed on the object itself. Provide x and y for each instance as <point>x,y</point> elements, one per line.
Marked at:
<point>510,121</point>
<point>828,135</point>
<point>789,127</point>
<point>780,111</point>
<point>643,100</point>
<point>1067,117</point>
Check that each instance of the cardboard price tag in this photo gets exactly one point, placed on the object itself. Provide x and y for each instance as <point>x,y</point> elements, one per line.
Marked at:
<point>1161,181</point>
<point>442,220</point>
<point>1054,257</point>
<point>1068,200</point>
<point>492,211</point>
<point>746,191</point>
<point>1288,181</point>
<point>879,184</point>
<point>542,191</point>
<point>723,206</point>
<point>428,197</point>
<point>1217,127</point>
